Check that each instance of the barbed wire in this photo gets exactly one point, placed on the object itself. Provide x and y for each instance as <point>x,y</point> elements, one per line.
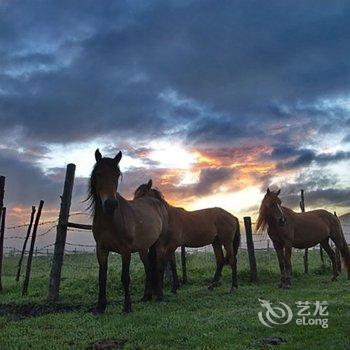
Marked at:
<point>77,230</point>
<point>79,213</point>
<point>80,245</point>
<point>27,224</point>
<point>30,236</point>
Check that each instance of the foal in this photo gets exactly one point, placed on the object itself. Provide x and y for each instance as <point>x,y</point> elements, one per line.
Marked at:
<point>124,227</point>
<point>288,229</point>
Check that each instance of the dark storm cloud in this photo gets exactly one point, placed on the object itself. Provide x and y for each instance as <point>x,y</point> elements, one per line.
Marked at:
<point>329,198</point>
<point>25,183</point>
<point>304,157</point>
<point>221,75</point>
<point>73,71</point>
<point>211,178</point>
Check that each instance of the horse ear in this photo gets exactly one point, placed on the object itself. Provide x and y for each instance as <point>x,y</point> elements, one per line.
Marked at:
<point>278,192</point>
<point>118,157</point>
<point>268,190</point>
<point>98,155</point>
<point>149,184</point>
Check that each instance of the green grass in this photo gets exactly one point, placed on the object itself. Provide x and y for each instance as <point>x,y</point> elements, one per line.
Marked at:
<point>195,318</point>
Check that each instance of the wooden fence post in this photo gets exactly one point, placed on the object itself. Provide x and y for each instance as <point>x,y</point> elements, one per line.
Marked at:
<point>2,234</point>
<point>306,251</point>
<point>55,276</point>
<point>31,249</point>
<point>25,244</point>
<point>183,264</point>
<point>2,192</point>
<point>337,254</point>
<point>250,247</point>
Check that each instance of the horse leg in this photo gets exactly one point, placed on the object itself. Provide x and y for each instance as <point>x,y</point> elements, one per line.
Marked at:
<point>234,272</point>
<point>125,278</point>
<point>147,295</point>
<point>102,257</point>
<point>288,266</point>
<point>172,263</point>
<point>280,256</point>
<point>220,261</point>
<point>231,260</point>
<point>160,273</point>
<point>325,245</point>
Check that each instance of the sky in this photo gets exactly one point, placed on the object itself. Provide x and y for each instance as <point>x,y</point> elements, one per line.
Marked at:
<point>215,101</point>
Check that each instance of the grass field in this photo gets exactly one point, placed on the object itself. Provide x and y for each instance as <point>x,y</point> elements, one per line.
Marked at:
<point>195,318</point>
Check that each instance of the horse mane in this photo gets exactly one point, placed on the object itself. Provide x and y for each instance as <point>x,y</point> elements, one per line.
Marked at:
<point>159,195</point>
<point>262,222</point>
<point>92,194</point>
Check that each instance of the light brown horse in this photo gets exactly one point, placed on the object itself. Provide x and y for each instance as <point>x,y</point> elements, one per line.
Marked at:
<point>122,226</point>
<point>195,229</point>
<point>288,229</point>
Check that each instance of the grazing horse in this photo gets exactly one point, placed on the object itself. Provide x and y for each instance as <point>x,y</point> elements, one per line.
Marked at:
<point>124,227</point>
<point>288,229</point>
<point>195,229</point>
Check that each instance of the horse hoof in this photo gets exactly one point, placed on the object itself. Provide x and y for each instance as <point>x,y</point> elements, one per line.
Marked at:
<point>213,285</point>
<point>159,299</point>
<point>146,298</point>
<point>286,286</point>
<point>233,290</point>
<point>98,310</point>
<point>126,309</point>
<point>334,279</point>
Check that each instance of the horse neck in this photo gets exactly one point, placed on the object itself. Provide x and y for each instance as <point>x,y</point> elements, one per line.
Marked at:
<point>117,220</point>
<point>288,213</point>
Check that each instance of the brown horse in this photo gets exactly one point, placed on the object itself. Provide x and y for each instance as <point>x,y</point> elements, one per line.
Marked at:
<point>122,226</point>
<point>288,229</point>
<point>198,228</point>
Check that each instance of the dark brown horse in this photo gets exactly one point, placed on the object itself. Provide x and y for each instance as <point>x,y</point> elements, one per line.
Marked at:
<point>122,226</point>
<point>198,228</point>
<point>288,229</point>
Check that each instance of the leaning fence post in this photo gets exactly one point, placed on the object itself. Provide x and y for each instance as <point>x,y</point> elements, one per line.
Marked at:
<point>183,264</point>
<point>306,251</point>
<point>250,247</point>
<point>2,234</point>
<point>31,249</point>
<point>25,244</point>
<point>55,276</point>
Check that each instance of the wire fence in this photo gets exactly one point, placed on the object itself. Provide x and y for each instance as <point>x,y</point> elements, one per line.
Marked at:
<point>47,230</point>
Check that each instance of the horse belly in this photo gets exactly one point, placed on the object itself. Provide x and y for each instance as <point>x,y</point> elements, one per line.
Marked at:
<point>198,237</point>
<point>307,236</point>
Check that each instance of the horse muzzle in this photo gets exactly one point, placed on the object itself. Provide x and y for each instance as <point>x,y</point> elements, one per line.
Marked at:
<point>109,206</point>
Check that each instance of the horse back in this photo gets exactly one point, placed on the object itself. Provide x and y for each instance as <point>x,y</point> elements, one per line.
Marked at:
<point>200,227</point>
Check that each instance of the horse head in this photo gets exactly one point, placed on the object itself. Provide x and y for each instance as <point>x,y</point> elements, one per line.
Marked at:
<point>104,182</point>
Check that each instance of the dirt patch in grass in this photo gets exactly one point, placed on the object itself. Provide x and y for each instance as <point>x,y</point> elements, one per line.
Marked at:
<point>18,311</point>
<point>107,344</point>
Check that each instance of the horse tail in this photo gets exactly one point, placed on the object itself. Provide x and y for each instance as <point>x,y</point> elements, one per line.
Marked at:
<point>237,238</point>
<point>152,259</point>
<point>343,247</point>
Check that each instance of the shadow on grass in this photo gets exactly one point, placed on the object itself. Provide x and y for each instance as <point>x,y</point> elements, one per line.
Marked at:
<point>19,311</point>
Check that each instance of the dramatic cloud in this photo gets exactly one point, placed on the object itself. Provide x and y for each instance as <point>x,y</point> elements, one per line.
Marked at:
<point>244,93</point>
